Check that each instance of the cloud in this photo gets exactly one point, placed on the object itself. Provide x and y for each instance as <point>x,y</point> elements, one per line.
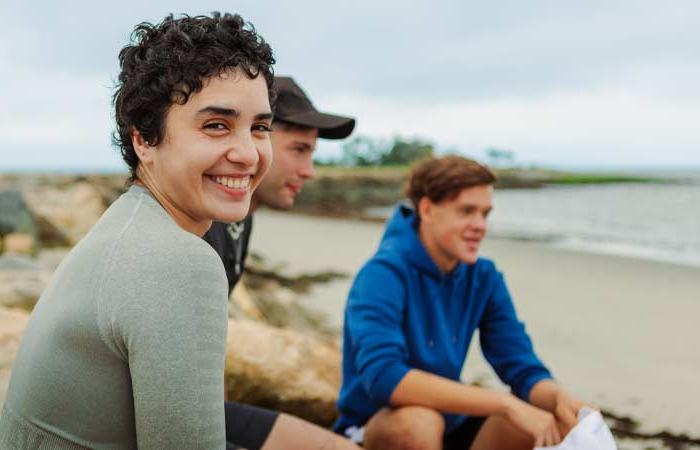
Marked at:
<point>604,127</point>
<point>552,80</point>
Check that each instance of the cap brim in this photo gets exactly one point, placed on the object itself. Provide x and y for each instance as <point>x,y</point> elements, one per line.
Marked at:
<point>329,126</point>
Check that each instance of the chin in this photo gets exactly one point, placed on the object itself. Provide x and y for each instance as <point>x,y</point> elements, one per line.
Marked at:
<point>233,214</point>
<point>469,258</point>
<point>281,203</point>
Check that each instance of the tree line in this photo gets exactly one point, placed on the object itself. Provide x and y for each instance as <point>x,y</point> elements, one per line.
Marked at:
<point>365,151</point>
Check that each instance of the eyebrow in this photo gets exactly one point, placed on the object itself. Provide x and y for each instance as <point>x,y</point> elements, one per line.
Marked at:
<point>230,112</point>
<point>303,145</point>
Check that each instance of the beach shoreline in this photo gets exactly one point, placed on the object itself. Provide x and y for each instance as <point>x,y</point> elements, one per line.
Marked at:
<point>619,332</point>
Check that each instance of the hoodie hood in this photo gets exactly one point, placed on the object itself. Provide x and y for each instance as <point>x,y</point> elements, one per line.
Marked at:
<point>401,236</point>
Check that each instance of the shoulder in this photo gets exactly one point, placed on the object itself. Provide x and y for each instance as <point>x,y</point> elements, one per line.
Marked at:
<point>153,254</point>
<point>383,266</point>
<point>379,278</point>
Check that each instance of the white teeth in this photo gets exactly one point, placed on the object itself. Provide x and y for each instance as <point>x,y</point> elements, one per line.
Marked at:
<point>234,183</point>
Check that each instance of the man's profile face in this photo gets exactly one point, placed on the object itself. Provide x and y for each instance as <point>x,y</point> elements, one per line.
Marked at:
<point>292,166</point>
<point>457,226</point>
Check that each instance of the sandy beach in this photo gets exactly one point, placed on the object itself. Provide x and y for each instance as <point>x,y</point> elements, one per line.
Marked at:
<point>621,333</point>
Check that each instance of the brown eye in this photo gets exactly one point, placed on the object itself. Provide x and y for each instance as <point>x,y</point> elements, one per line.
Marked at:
<point>217,126</point>
<point>262,128</point>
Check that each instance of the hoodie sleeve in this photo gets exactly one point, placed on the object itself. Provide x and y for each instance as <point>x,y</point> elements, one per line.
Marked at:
<point>374,320</point>
<point>505,343</point>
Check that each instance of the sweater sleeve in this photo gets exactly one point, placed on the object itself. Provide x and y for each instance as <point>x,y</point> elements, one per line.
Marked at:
<point>374,320</point>
<point>171,326</point>
<point>505,343</point>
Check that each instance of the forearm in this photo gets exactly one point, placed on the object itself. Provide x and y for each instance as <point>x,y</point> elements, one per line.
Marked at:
<point>419,388</point>
<point>544,395</point>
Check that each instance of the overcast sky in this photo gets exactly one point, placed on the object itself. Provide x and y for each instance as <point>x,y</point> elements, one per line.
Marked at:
<point>595,83</point>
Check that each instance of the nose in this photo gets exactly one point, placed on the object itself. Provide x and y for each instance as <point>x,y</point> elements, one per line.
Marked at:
<point>479,222</point>
<point>243,152</point>
<point>307,169</point>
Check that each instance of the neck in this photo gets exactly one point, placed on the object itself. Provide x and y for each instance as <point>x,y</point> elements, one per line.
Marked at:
<point>444,262</point>
<point>181,218</point>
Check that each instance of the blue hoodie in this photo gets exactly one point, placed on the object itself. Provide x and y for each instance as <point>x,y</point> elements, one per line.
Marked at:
<point>403,312</point>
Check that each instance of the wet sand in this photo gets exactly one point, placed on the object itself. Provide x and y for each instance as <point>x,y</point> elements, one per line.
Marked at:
<point>620,333</point>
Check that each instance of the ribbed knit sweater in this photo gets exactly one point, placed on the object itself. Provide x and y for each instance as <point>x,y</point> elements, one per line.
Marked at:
<point>125,348</point>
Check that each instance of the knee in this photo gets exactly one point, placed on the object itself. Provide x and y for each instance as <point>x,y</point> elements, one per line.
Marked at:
<point>411,428</point>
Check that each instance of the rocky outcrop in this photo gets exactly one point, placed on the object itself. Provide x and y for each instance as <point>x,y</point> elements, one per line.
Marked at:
<point>15,216</point>
<point>22,280</point>
<point>18,243</point>
<point>12,324</point>
<point>265,294</point>
<point>65,214</point>
<point>282,369</point>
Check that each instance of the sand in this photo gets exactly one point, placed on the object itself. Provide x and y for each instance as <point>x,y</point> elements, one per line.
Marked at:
<point>620,333</point>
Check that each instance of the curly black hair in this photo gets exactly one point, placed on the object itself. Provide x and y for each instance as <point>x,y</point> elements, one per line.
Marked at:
<point>167,62</point>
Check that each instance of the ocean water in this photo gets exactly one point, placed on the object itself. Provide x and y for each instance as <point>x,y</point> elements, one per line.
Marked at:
<point>650,221</point>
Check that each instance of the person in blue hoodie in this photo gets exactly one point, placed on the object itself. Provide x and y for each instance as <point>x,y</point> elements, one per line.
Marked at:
<point>411,314</point>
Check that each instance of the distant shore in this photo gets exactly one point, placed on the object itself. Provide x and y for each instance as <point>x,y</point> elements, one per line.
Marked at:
<point>619,332</point>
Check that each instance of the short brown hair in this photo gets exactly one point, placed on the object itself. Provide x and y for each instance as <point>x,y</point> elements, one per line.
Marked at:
<point>444,178</point>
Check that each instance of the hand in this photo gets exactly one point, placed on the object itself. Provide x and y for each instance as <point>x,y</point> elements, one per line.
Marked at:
<point>566,411</point>
<point>538,423</point>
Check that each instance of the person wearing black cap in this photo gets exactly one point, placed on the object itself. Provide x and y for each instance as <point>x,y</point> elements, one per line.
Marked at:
<point>297,125</point>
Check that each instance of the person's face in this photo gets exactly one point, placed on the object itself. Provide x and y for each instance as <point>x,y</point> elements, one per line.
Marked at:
<point>292,165</point>
<point>453,229</point>
<point>214,153</point>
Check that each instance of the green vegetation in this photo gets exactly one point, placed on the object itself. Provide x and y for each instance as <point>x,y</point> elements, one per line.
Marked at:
<point>348,190</point>
<point>381,161</point>
<point>587,178</point>
<point>364,151</point>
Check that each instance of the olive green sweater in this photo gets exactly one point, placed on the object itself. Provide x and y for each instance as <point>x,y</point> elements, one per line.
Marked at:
<point>125,349</point>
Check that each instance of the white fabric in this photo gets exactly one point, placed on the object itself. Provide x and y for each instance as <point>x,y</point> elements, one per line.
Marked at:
<point>590,433</point>
<point>355,434</point>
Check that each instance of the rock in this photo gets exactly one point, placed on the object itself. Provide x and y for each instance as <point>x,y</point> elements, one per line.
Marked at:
<point>65,214</point>
<point>242,304</point>
<point>17,262</point>
<point>18,243</point>
<point>21,281</point>
<point>266,295</point>
<point>12,324</point>
<point>110,187</point>
<point>49,234</point>
<point>284,370</point>
<point>14,214</point>
<point>50,258</point>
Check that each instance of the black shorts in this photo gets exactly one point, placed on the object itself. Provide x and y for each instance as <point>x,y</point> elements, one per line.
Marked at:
<point>247,426</point>
<point>462,437</point>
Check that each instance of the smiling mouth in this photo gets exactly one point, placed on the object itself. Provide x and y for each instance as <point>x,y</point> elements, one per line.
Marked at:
<point>473,242</point>
<point>295,188</point>
<point>232,182</point>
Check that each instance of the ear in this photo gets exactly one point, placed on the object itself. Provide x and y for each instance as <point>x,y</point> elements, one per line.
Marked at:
<point>425,209</point>
<point>144,151</point>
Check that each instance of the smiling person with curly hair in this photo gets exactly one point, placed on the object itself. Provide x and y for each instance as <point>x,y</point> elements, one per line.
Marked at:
<point>125,348</point>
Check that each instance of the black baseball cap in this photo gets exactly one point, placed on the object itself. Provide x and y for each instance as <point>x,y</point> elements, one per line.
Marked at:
<point>294,106</point>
